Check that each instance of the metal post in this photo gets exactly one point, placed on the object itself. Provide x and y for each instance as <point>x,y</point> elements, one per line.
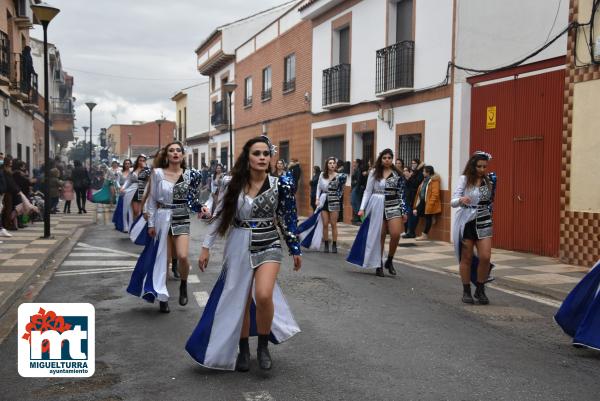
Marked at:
<point>46,137</point>
<point>230,136</point>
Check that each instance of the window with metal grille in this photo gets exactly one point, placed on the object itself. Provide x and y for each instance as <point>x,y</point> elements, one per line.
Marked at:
<point>248,91</point>
<point>224,156</point>
<point>409,147</point>
<point>266,84</point>
<point>289,79</point>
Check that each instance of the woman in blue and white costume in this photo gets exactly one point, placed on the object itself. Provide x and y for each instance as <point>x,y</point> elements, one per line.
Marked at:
<point>121,218</point>
<point>330,190</point>
<point>138,232</point>
<point>384,207</point>
<point>579,314</point>
<point>473,227</point>
<point>174,190</point>
<point>246,299</point>
<point>131,195</point>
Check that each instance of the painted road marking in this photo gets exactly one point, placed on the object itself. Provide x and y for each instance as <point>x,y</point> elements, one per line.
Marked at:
<point>84,245</point>
<point>258,396</point>
<point>94,271</point>
<point>201,298</point>
<point>98,263</point>
<point>193,279</point>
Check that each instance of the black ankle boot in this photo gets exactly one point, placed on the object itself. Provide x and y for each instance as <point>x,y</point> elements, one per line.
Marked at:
<point>480,294</point>
<point>242,364</point>
<point>379,272</point>
<point>334,247</point>
<point>467,298</point>
<point>174,268</point>
<point>183,298</point>
<point>326,248</point>
<point>262,353</point>
<point>390,266</point>
<point>164,307</point>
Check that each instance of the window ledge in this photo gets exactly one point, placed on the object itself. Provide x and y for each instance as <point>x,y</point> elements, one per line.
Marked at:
<point>289,91</point>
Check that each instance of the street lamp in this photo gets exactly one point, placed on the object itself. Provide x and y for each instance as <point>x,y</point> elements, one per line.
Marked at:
<point>229,88</point>
<point>129,135</point>
<point>160,121</point>
<point>44,14</point>
<point>85,130</point>
<point>91,106</point>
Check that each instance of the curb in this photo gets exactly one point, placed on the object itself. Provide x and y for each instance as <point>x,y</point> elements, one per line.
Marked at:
<point>22,284</point>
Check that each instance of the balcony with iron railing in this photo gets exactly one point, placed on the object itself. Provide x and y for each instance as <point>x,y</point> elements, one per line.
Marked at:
<point>24,18</point>
<point>62,107</point>
<point>289,85</point>
<point>336,86</point>
<point>395,69</point>
<point>4,59</point>
<point>218,118</point>
<point>23,80</point>
<point>265,95</point>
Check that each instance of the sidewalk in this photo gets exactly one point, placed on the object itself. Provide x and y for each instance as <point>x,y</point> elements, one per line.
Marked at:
<point>520,271</point>
<point>24,254</point>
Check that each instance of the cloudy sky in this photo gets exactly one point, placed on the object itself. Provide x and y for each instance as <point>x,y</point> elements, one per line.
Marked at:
<point>131,56</point>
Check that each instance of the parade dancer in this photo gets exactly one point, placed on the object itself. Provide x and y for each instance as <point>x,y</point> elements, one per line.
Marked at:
<point>174,190</point>
<point>579,314</point>
<point>130,208</point>
<point>246,299</point>
<point>474,196</point>
<point>330,190</point>
<point>383,207</point>
<point>121,215</point>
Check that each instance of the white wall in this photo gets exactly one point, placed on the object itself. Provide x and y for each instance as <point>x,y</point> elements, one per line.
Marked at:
<point>198,109</point>
<point>21,126</point>
<point>433,47</point>
<point>492,33</point>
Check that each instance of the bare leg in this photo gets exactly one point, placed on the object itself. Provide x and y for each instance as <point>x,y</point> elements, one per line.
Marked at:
<point>325,216</point>
<point>465,261</point>
<point>384,231</point>
<point>137,209</point>
<point>246,325</point>
<point>333,218</point>
<point>394,227</point>
<point>182,245</point>
<point>484,252</point>
<point>264,282</point>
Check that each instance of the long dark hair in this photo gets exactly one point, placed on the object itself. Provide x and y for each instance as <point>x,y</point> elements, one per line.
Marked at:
<point>470,170</point>
<point>162,159</point>
<point>123,166</point>
<point>137,161</point>
<point>326,166</point>
<point>240,175</point>
<point>214,177</point>
<point>379,164</point>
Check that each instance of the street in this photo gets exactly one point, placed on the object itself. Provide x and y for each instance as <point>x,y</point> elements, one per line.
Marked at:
<point>363,337</point>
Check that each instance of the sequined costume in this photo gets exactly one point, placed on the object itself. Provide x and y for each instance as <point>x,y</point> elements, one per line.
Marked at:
<point>168,207</point>
<point>383,199</point>
<point>329,193</point>
<point>123,215</point>
<point>251,241</point>
<point>579,314</point>
<point>475,219</point>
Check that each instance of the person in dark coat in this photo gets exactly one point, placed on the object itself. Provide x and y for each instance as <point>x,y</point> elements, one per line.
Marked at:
<point>11,196</point>
<point>411,191</point>
<point>314,182</point>
<point>81,183</point>
<point>294,168</point>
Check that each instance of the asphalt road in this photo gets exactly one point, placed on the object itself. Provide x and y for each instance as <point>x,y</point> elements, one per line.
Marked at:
<point>363,338</point>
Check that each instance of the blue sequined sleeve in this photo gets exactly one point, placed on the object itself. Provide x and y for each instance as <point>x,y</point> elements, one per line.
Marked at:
<point>193,197</point>
<point>342,177</point>
<point>287,215</point>
<point>493,179</point>
<point>402,195</point>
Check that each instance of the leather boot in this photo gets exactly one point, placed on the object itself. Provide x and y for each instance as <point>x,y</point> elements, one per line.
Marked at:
<point>390,266</point>
<point>334,247</point>
<point>262,353</point>
<point>379,272</point>
<point>174,268</point>
<point>326,248</point>
<point>164,307</point>
<point>242,364</point>
<point>480,294</point>
<point>467,298</point>
<point>183,298</point>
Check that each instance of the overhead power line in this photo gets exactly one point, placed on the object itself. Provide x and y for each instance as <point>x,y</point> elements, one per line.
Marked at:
<point>128,77</point>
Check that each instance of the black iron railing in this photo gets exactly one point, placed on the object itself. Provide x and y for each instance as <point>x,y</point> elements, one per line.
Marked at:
<point>289,85</point>
<point>395,67</point>
<point>4,54</point>
<point>336,84</point>
<point>265,94</point>
<point>62,106</point>
<point>219,115</point>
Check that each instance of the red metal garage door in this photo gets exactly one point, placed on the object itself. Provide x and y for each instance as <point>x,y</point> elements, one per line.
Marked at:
<point>526,149</point>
